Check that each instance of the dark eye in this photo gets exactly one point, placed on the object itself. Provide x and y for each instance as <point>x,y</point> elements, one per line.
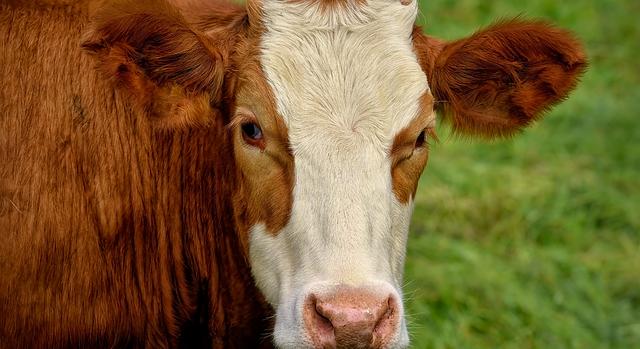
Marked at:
<point>252,134</point>
<point>422,138</point>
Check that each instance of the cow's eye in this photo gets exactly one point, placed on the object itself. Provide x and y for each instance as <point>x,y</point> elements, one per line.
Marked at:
<point>422,139</point>
<point>425,138</point>
<point>252,134</point>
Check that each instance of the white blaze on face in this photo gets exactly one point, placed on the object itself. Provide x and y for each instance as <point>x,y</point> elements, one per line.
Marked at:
<point>346,81</point>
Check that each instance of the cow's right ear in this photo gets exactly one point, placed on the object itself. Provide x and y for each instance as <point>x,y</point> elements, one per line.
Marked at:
<point>172,71</point>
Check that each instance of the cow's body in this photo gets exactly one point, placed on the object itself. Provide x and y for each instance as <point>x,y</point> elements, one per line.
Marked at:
<point>199,174</point>
<point>113,233</point>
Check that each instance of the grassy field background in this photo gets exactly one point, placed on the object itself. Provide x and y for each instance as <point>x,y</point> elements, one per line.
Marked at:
<point>534,242</point>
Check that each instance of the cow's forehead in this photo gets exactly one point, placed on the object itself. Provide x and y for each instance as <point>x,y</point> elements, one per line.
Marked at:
<point>342,69</point>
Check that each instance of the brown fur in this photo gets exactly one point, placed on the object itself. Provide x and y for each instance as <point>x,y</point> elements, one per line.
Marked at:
<point>502,78</point>
<point>148,48</point>
<point>117,233</point>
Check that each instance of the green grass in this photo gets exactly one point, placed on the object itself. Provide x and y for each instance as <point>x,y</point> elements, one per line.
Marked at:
<point>534,242</point>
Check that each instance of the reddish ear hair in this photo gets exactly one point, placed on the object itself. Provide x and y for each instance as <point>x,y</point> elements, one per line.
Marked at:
<point>147,47</point>
<point>500,79</point>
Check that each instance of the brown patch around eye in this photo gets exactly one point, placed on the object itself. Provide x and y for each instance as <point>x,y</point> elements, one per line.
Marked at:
<point>266,176</point>
<point>409,152</point>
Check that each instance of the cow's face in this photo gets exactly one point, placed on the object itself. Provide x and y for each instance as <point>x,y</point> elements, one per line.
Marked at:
<point>331,157</point>
<point>332,109</point>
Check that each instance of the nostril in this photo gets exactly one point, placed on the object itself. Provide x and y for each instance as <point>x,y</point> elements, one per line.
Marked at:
<point>318,324</point>
<point>385,313</point>
<point>323,323</point>
<point>386,325</point>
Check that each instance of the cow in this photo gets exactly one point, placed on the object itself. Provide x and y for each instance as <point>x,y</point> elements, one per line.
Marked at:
<point>204,174</point>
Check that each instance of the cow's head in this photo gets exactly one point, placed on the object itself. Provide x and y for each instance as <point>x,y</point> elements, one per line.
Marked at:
<point>331,107</point>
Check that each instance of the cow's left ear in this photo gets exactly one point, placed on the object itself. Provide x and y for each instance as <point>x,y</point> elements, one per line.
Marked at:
<point>149,51</point>
<point>500,79</point>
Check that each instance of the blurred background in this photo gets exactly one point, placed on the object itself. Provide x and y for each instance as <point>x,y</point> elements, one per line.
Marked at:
<point>534,242</point>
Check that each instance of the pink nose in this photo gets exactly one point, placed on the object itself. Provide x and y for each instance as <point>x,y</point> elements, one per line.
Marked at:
<point>350,318</point>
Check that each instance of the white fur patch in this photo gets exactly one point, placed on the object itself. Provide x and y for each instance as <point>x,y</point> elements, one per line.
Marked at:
<point>346,81</point>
